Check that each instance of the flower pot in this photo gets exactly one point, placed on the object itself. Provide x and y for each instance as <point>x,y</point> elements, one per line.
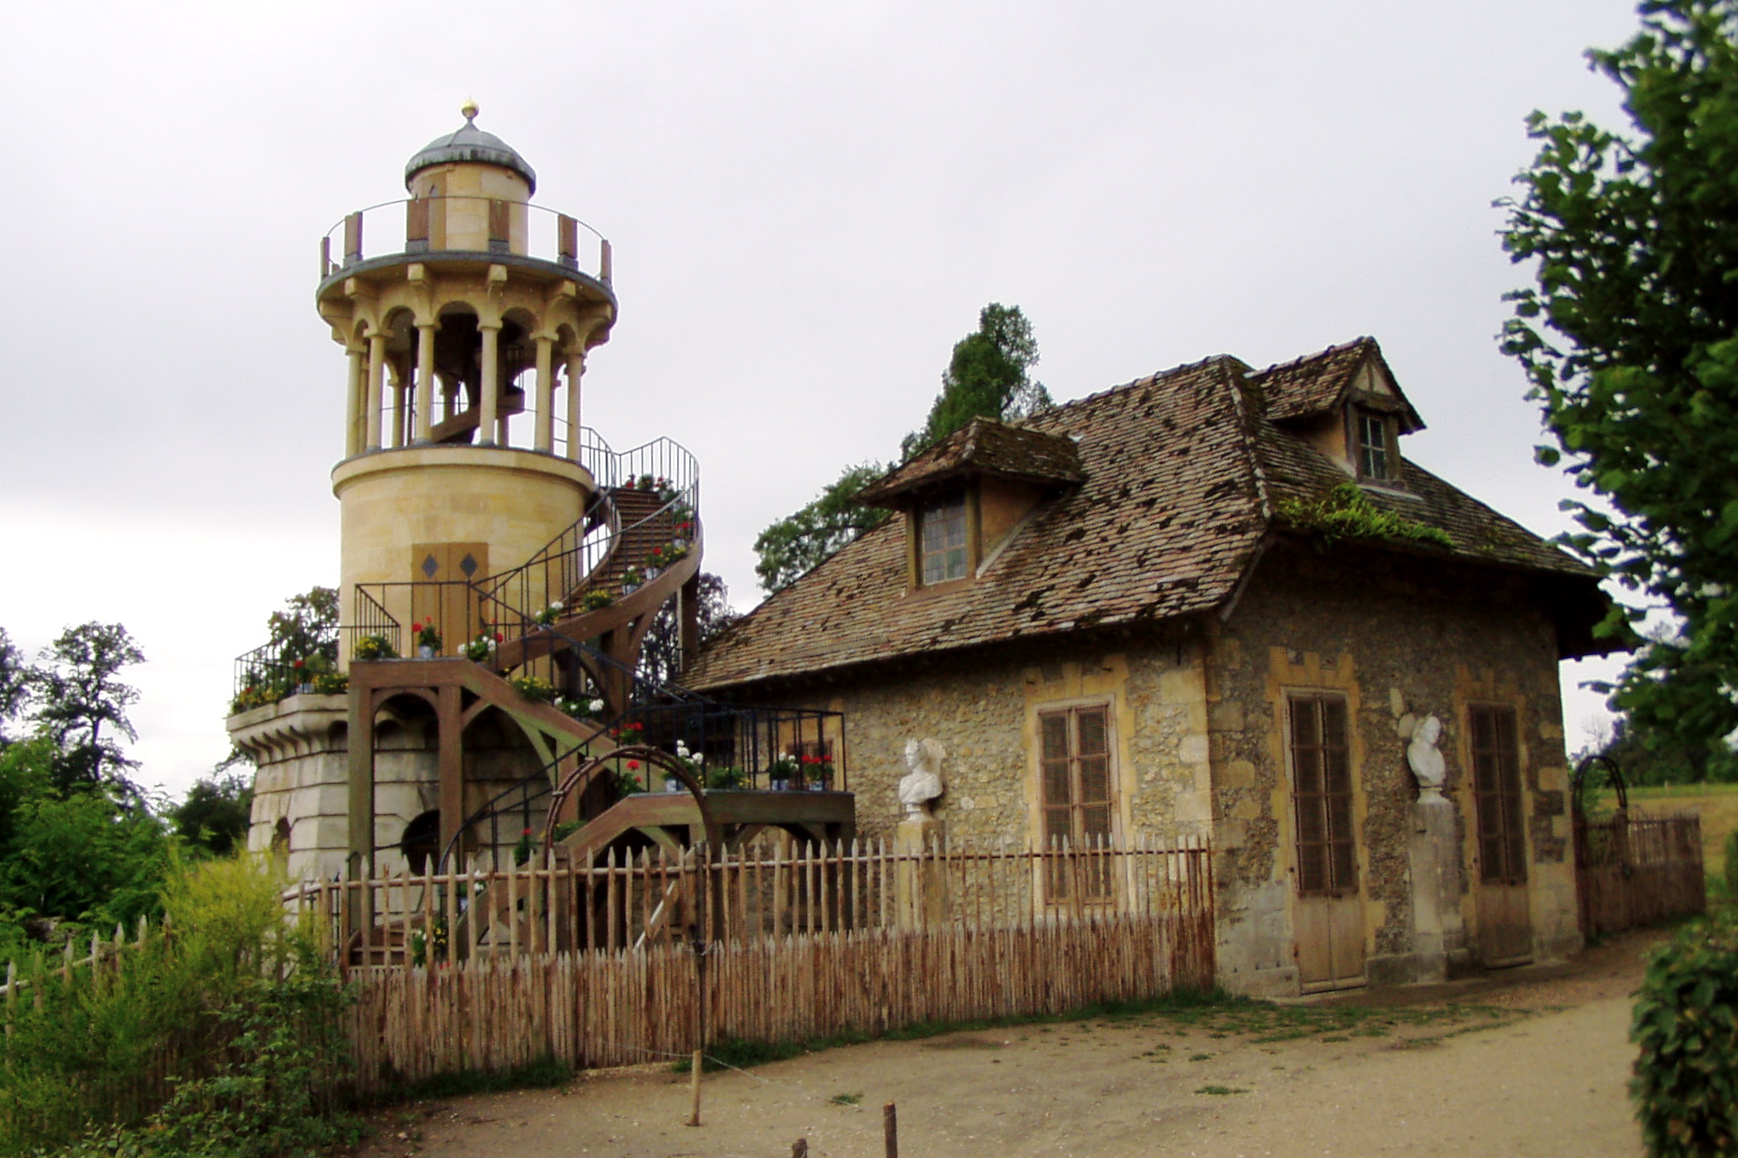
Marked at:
<point>630,588</point>
<point>679,544</point>
<point>424,651</point>
<point>652,573</point>
<point>304,689</point>
<point>780,785</point>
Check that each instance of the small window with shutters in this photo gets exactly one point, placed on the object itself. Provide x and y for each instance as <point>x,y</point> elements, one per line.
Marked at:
<point>1496,786</point>
<point>1076,799</point>
<point>1321,770</point>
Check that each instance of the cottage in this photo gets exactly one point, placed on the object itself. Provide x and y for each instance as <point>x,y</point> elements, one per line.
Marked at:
<point>1216,602</point>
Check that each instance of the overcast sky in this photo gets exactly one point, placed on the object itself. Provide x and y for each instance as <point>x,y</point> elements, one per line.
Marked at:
<point>809,203</point>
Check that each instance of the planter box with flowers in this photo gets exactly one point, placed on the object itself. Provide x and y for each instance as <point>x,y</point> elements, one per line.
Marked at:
<point>551,614</point>
<point>632,579</point>
<point>596,599</point>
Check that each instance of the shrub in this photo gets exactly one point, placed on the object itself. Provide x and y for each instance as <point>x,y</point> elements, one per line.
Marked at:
<point>220,1038</point>
<point>1686,1023</point>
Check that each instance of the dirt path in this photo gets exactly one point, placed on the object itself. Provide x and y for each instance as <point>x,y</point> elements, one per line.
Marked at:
<point>1527,1062</point>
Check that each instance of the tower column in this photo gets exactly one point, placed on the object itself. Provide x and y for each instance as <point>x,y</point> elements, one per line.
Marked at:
<point>353,404</point>
<point>425,380</point>
<point>545,437</point>
<point>396,379</point>
<point>491,382</point>
<point>376,383</point>
<point>575,370</point>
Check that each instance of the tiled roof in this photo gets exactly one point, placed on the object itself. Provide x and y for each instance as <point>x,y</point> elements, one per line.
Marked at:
<point>1181,474</point>
<point>982,446</point>
<point>1318,383</point>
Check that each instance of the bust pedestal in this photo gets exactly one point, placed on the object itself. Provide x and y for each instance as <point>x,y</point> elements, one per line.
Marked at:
<point>920,888</point>
<point>1434,855</point>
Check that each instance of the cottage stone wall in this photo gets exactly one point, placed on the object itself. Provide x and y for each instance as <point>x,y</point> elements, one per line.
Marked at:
<point>1395,636</point>
<point>984,711</point>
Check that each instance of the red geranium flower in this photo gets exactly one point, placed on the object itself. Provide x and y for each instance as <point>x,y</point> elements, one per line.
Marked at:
<point>633,765</point>
<point>499,637</point>
<point>637,726</point>
<point>527,832</point>
<point>298,663</point>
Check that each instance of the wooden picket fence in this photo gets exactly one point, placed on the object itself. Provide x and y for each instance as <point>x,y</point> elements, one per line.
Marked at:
<point>632,960</point>
<point>1636,870</point>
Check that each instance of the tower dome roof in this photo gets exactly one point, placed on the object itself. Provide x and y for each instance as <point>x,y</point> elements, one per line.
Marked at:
<point>469,143</point>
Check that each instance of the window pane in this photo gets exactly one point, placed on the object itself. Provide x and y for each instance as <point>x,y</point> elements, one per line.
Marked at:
<point>1053,728</point>
<point>1092,731</point>
<point>1094,780</point>
<point>942,540</point>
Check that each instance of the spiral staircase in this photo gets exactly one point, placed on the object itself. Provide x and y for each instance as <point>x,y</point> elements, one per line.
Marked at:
<point>575,617</point>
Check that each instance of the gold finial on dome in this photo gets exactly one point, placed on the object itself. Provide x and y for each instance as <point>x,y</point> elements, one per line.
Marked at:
<point>469,110</point>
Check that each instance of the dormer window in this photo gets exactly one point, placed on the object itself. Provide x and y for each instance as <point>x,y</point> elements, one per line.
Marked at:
<point>1375,439</point>
<point>942,553</point>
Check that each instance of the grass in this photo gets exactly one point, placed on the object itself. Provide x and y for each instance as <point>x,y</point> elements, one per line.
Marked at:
<point>531,1076</point>
<point>1716,804</point>
<point>846,1099</point>
<point>1220,1091</point>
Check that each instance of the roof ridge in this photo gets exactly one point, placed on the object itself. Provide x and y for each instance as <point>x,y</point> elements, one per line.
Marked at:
<point>1148,380</point>
<point>1302,358</point>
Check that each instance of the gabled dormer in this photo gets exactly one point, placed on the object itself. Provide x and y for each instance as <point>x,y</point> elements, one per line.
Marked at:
<point>1344,402</point>
<point>963,498</point>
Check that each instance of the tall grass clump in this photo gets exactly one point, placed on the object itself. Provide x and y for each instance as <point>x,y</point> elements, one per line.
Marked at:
<point>217,1034</point>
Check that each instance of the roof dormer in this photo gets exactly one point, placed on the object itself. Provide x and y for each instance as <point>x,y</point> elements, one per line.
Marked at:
<point>964,497</point>
<point>1345,402</point>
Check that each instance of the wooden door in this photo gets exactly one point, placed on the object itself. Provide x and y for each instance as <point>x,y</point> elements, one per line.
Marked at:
<point>442,574</point>
<point>1505,928</point>
<point>1329,914</point>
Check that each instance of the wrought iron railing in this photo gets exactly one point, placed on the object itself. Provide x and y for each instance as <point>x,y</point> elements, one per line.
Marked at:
<point>274,671</point>
<point>736,747</point>
<point>665,473</point>
<point>463,224</point>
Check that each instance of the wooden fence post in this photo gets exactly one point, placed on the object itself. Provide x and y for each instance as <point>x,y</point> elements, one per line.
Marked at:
<point>890,1128</point>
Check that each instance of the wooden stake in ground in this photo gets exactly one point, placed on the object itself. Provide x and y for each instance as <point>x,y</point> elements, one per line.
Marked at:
<point>694,1086</point>
<point>800,1148</point>
<point>890,1127</point>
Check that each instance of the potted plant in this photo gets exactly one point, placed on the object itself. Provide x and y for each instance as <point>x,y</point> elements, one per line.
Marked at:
<point>627,782</point>
<point>818,772</point>
<point>551,614</point>
<point>331,683</point>
<point>784,773</point>
<point>631,580</point>
<point>481,648</point>
<point>534,688</point>
<point>596,599</point>
<point>373,647</point>
<point>428,639</point>
<point>725,779</point>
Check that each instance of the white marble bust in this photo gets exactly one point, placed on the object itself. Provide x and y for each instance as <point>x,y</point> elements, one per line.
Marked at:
<point>1427,763</point>
<point>921,783</point>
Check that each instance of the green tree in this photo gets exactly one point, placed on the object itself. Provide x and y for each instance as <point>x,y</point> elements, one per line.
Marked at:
<point>986,377</point>
<point>308,625</point>
<point>83,704</point>
<point>216,812</point>
<point>661,651</point>
<point>1630,341</point>
<point>15,680</point>
<point>800,542</point>
<point>84,856</point>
